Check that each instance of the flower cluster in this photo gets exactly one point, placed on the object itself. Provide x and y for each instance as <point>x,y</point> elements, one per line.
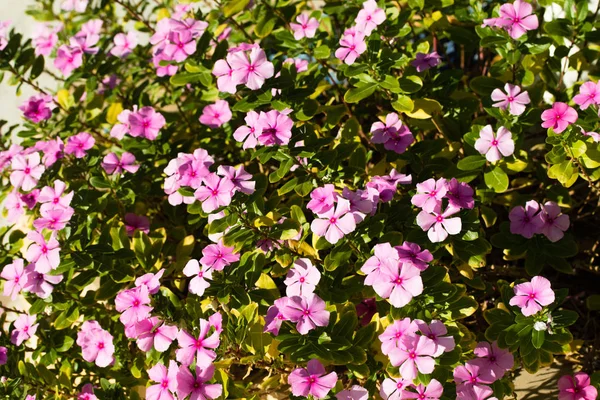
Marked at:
<point>265,128</point>
<point>145,122</point>
<point>535,218</point>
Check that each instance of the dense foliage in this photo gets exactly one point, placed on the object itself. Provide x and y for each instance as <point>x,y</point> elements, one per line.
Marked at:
<point>300,198</point>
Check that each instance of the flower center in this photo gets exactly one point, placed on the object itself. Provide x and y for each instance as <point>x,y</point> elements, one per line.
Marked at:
<point>136,303</point>
<point>196,385</point>
<point>27,170</point>
<point>199,343</point>
<point>301,279</point>
<point>215,192</point>
<point>200,274</point>
<point>333,220</point>
<point>494,142</point>
<point>473,380</point>
<point>493,359</point>
<point>251,68</point>
<point>56,200</point>
<point>368,18</point>
<point>164,383</point>
<point>25,328</point>
<point>439,218</point>
<point>399,385</point>
<point>44,249</point>
<point>306,312</point>
<point>101,345</point>
<point>511,99</point>
<point>412,355</point>
<point>531,295</point>
<point>431,336</point>
<point>398,281</point>
<point>398,335</point>
<point>352,47</point>
<point>312,379</point>
<point>433,193</point>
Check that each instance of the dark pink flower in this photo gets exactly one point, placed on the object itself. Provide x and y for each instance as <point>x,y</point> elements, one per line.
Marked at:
<point>30,199</point>
<point>414,355</point>
<point>24,328</point>
<point>68,59</point>
<point>471,376</point>
<point>40,284</point>
<point>366,309</point>
<point>322,199</point>
<point>307,312</point>
<point>589,94</point>
<point>554,223</point>
<point>145,122</point>
<point>197,387</point>
<point>79,144</point>
<point>215,115</point>
<point>313,380</point>
<point>216,192</point>
<point>134,222</point>
<point>577,387</point>
<point>412,253</point>
<point>200,348</point>
<point>276,128</point>
<point>423,62</point>
<point>180,45</point>
<point>151,281</point>
<point>387,185</point>
<point>38,108</point>
<point>526,221</point>
<point>559,117</point>
<point>532,296</point>
<point>305,27</point>
<point>133,304</point>
<point>493,358</point>
<point>239,177</point>
<point>217,256</point>
<point>275,316</point>
<point>352,46</point>
<point>460,194</point>
<point>112,164</point>
<point>87,393</point>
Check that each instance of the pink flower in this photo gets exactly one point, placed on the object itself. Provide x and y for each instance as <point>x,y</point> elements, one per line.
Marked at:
<point>216,321</point>
<point>392,337</point>
<point>134,222</point>
<point>554,223</point>
<point>253,72</point>
<point>322,199</point>
<point>518,18</point>
<point>577,387</point>
<point>79,144</point>
<point>356,392</point>
<point>414,354</point>
<point>180,45</point>
<point>313,380</point>
<point>493,358</point>
<point>225,80</point>
<point>307,312</point>
<point>26,171</point>
<point>74,5</point>
<point>494,146</point>
<point>394,135</point>
<point>24,328</point>
<point>190,347</point>
<point>218,256</point>
<point>166,380</point>
<point>306,27</point>
<point>352,46</point>
<point>4,34</point>
<point>239,177</point>
<point>44,254</point>
<point>151,281</point>
<point>119,130</point>
<point>373,267</point>
<point>44,39</point>
<point>589,94</point>
<point>393,388</point>
<point>96,344</point>
<point>276,128</point>
<point>40,284</point>
<point>113,165</point>
<point>250,132</point>
<point>594,135</point>
<point>423,62</point>
<point>91,27</point>
<point>399,282</point>
<point>85,43</point>
<point>361,202</point>
<point>471,376</point>
<point>163,70</point>
<point>438,225</point>
<point>152,333</point>
<point>460,194</point>
<point>38,108</point>
<point>14,205</point>
<point>526,221</point>
<point>532,296</point>
<point>387,185</point>
<point>435,331</point>
<point>87,393</point>
<point>275,316</point>
<point>216,192</point>
<point>15,276</point>
<point>68,59</point>
<point>477,392</point>
<point>559,117</point>
<point>433,391</point>
<point>365,310</point>
<point>146,122</point>
<point>215,115</point>
<point>3,353</point>
<point>197,386</point>
<point>133,304</point>
<point>513,99</point>
<point>30,199</point>
<point>53,218</point>
<point>6,156</point>
<point>369,17</point>
<point>334,223</point>
<point>200,274</point>
<point>195,27</point>
<point>412,253</point>
<point>302,279</point>
<point>124,44</point>
<point>429,194</point>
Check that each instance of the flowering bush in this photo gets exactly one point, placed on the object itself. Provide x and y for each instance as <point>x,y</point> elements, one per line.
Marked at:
<point>328,199</point>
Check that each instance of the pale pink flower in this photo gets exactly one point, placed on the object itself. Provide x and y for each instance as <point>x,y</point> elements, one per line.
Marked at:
<point>91,27</point>
<point>53,218</point>
<point>119,130</point>
<point>275,316</point>
<point>423,62</point>
<point>217,256</point>
<point>124,44</point>
<point>44,254</point>
<point>313,380</point>
<point>306,26</point>
<point>15,276</point>
<point>200,348</point>
<point>373,267</point>
<point>335,223</point>
<point>152,333</point>
<point>514,99</point>
<point>554,223</point>
<point>399,282</point>
<point>40,284</point>
<point>4,34</point>
<point>302,279</point>
<point>225,80</point>
<point>200,274</point>
<point>589,94</point>
<point>518,18</point>
<point>163,70</point>
<point>14,206</point>
<point>392,337</point>
<point>594,135</point>
<point>433,391</point>
<point>308,312</point>
<point>85,43</point>
<point>74,5</point>
<point>181,10</point>
<point>112,164</point>
<point>356,392</point>
<point>197,387</point>
<point>24,328</point>
<point>577,387</point>
<point>191,25</point>
<point>133,304</point>
<point>79,144</point>
<point>151,281</point>
<point>68,59</point>
<point>322,199</point>
<point>532,296</point>
<point>435,331</point>
<point>146,122</point>
<point>414,355</point>
<point>276,128</point>
<point>166,380</point>
<point>97,345</point>
<point>352,46</point>
<point>493,358</point>
<point>526,221</point>
<point>180,45</point>
<point>369,17</point>
<point>216,115</point>
<point>472,376</point>
<point>216,192</point>
<point>26,171</point>
<point>250,132</point>
<point>6,156</point>
<point>494,146</point>
<point>38,108</point>
<point>253,72</point>
<point>239,177</point>
<point>429,194</point>
<point>559,117</point>
<point>361,203</point>
<point>393,388</point>
<point>438,225</point>
<point>216,321</point>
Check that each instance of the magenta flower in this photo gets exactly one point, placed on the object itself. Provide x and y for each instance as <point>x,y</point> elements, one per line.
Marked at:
<point>44,254</point>
<point>68,59</point>
<point>275,316</point>
<point>79,144</point>
<point>356,392</point>
<point>30,199</point>
<point>460,194</point>
<point>38,108</point>
<point>250,132</point>
<point>399,282</point>
<point>361,202</point>
<point>216,115</point>
<point>514,99</point>
<point>146,122</point>
<point>433,391</point>
<point>151,332</point>
<point>493,358</point>
<point>197,387</point>
<point>134,222</point>
<point>216,192</point>
<point>3,355</point>
<point>302,279</point>
<point>15,276</point>
<point>438,225</point>
<point>124,44</point>
<point>423,62</point>
<point>532,296</point>
<point>40,284</point>
<point>589,94</point>
<point>526,221</point>
<point>307,312</point>
<point>14,206</point>
<point>239,177</point>
<point>190,347</point>
<point>577,387</point>
<point>163,70</point>
<point>352,46</point>
<point>166,380</point>
<point>435,331</point>
<point>472,376</point>
<point>387,185</point>
<point>494,146</point>
<point>276,128</point>
<point>26,171</point>
<point>430,194</point>
<point>554,223</point>
<point>334,223</point>
<point>394,135</point>
<point>87,393</point>
<point>392,337</point>
<point>133,305</point>
<point>365,310</point>
<point>253,72</point>
<point>313,380</point>
<point>151,281</point>
<point>369,17</point>
<point>53,218</point>
<point>322,199</point>
<point>306,27</point>
<point>24,328</point>
<point>96,344</point>
<point>559,117</point>
<point>200,274</point>
<point>414,355</point>
<point>225,80</point>
<point>393,388</point>
<point>412,253</point>
<point>112,164</point>
<point>518,18</point>
<point>4,34</point>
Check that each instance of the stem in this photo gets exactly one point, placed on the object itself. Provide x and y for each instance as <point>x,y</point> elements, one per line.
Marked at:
<point>134,14</point>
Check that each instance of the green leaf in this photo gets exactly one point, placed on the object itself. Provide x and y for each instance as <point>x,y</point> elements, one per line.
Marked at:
<point>37,68</point>
<point>593,302</point>
<point>496,179</point>
<point>410,84</point>
<point>67,344</point>
<point>471,163</point>
<point>565,172</point>
<point>537,338</point>
<point>322,52</point>
<point>564,317</point>
<point>234,6</point>
<point>416,4</point>
<point>265,25</point>
<point>357,94</point>
<point>99,182</point>
<point>484,86</point>
<point>403,104</point>
<point>559,27</point>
